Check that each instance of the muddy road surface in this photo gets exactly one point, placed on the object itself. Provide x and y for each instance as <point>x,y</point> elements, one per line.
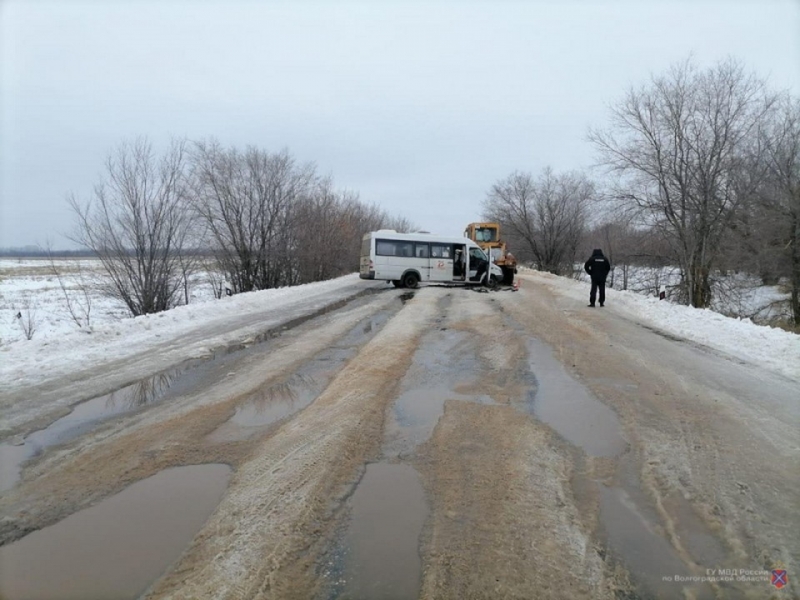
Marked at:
<point>439,443</point>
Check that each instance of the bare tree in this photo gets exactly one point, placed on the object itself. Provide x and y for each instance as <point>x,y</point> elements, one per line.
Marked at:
<point>214,274</point>
<point>274,222</point>
<point>621,244</point>
<point>349,220</point>
<point>398,223</point>
<point>548,215</point>
<point>247,201</point>
<point>781,190</point>
<point>678,147</point>
<point>137,223</point>
<point>320,241</point>
<point>332,227</point>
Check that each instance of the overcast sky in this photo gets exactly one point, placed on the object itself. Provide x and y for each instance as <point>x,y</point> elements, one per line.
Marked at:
<point>418,106</point>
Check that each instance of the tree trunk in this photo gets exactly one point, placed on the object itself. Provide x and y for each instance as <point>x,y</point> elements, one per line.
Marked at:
<point>700,287</point>
<point>796,270</point>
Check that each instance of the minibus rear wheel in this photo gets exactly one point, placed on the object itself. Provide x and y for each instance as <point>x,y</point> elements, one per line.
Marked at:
<point>410,280</point>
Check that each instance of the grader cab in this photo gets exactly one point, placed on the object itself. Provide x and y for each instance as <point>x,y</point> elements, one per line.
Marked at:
<point>487,236</point>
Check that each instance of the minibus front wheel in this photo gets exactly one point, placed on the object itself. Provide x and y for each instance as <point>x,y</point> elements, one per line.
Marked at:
<point>410,280</point>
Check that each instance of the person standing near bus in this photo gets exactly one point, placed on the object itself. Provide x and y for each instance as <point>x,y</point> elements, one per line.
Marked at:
<point>597,267</point>
<point>460,263</point>
<point>478,259</point>
<point>483,266</point>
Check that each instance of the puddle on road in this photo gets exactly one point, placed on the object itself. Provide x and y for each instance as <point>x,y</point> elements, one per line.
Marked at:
<point>568,407</point>
<point>557,399</point>
<point>283,399</point>
<point>443,367</point>
<point>377,553</point>
<point>381,548</point>
<point>87,415</point>
<point>694,534</point>
<point>275,403</point>
<point>119,547</point>
<point>648,556</point>
<point>634,535</point>
<point>83,418</point>
<point>631,525</point>
<point>11,459</point>
<point>415,415</point>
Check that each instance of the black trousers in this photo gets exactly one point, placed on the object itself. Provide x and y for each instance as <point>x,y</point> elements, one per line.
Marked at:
<point>601,286</point>
<point>482,266</point>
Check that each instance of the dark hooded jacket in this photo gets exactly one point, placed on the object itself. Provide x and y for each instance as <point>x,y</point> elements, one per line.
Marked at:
<point>597,266</point>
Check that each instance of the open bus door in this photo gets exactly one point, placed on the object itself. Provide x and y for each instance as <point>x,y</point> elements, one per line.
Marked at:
<point>445,262</point>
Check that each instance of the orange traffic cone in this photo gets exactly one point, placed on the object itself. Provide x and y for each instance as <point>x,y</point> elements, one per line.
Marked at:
<point>516,285</point>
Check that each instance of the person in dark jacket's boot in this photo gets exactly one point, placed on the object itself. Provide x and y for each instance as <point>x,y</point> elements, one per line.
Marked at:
<point>597,267</point>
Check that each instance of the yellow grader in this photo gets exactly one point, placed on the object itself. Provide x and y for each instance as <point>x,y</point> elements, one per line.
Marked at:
<point>487,236</point>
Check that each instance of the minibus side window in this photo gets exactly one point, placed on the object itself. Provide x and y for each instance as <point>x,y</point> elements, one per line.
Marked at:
<point>384,248</point>
<point>440,251</point>
<point>392,248</point>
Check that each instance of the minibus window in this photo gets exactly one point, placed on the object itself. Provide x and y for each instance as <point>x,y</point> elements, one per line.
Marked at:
<point>391,248</point>
<point>385,248</point>
<point>440,251</point>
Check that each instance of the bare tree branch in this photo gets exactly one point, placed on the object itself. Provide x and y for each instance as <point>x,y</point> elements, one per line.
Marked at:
<point>677,148</point>
<point>137,223</point>
<point>547,216</point>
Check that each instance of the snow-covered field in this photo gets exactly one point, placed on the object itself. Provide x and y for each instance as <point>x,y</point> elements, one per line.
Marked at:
<point>30,293</point>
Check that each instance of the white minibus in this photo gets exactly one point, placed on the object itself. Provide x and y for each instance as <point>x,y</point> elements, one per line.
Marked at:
<point>406,259</point>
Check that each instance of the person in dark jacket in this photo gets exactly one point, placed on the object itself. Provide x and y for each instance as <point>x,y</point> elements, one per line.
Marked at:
<point>597,267</point>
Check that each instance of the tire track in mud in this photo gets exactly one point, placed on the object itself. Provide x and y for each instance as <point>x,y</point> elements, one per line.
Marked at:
<point>617,491</point>
<point>66,389</point>
<point>504,522</point>
<point>119,453</point>
<point>266,535</point>
<point>515,510</point>
<point>685,465</point>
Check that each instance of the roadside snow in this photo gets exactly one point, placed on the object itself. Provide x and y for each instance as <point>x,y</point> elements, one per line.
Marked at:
<point>60,347</point>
